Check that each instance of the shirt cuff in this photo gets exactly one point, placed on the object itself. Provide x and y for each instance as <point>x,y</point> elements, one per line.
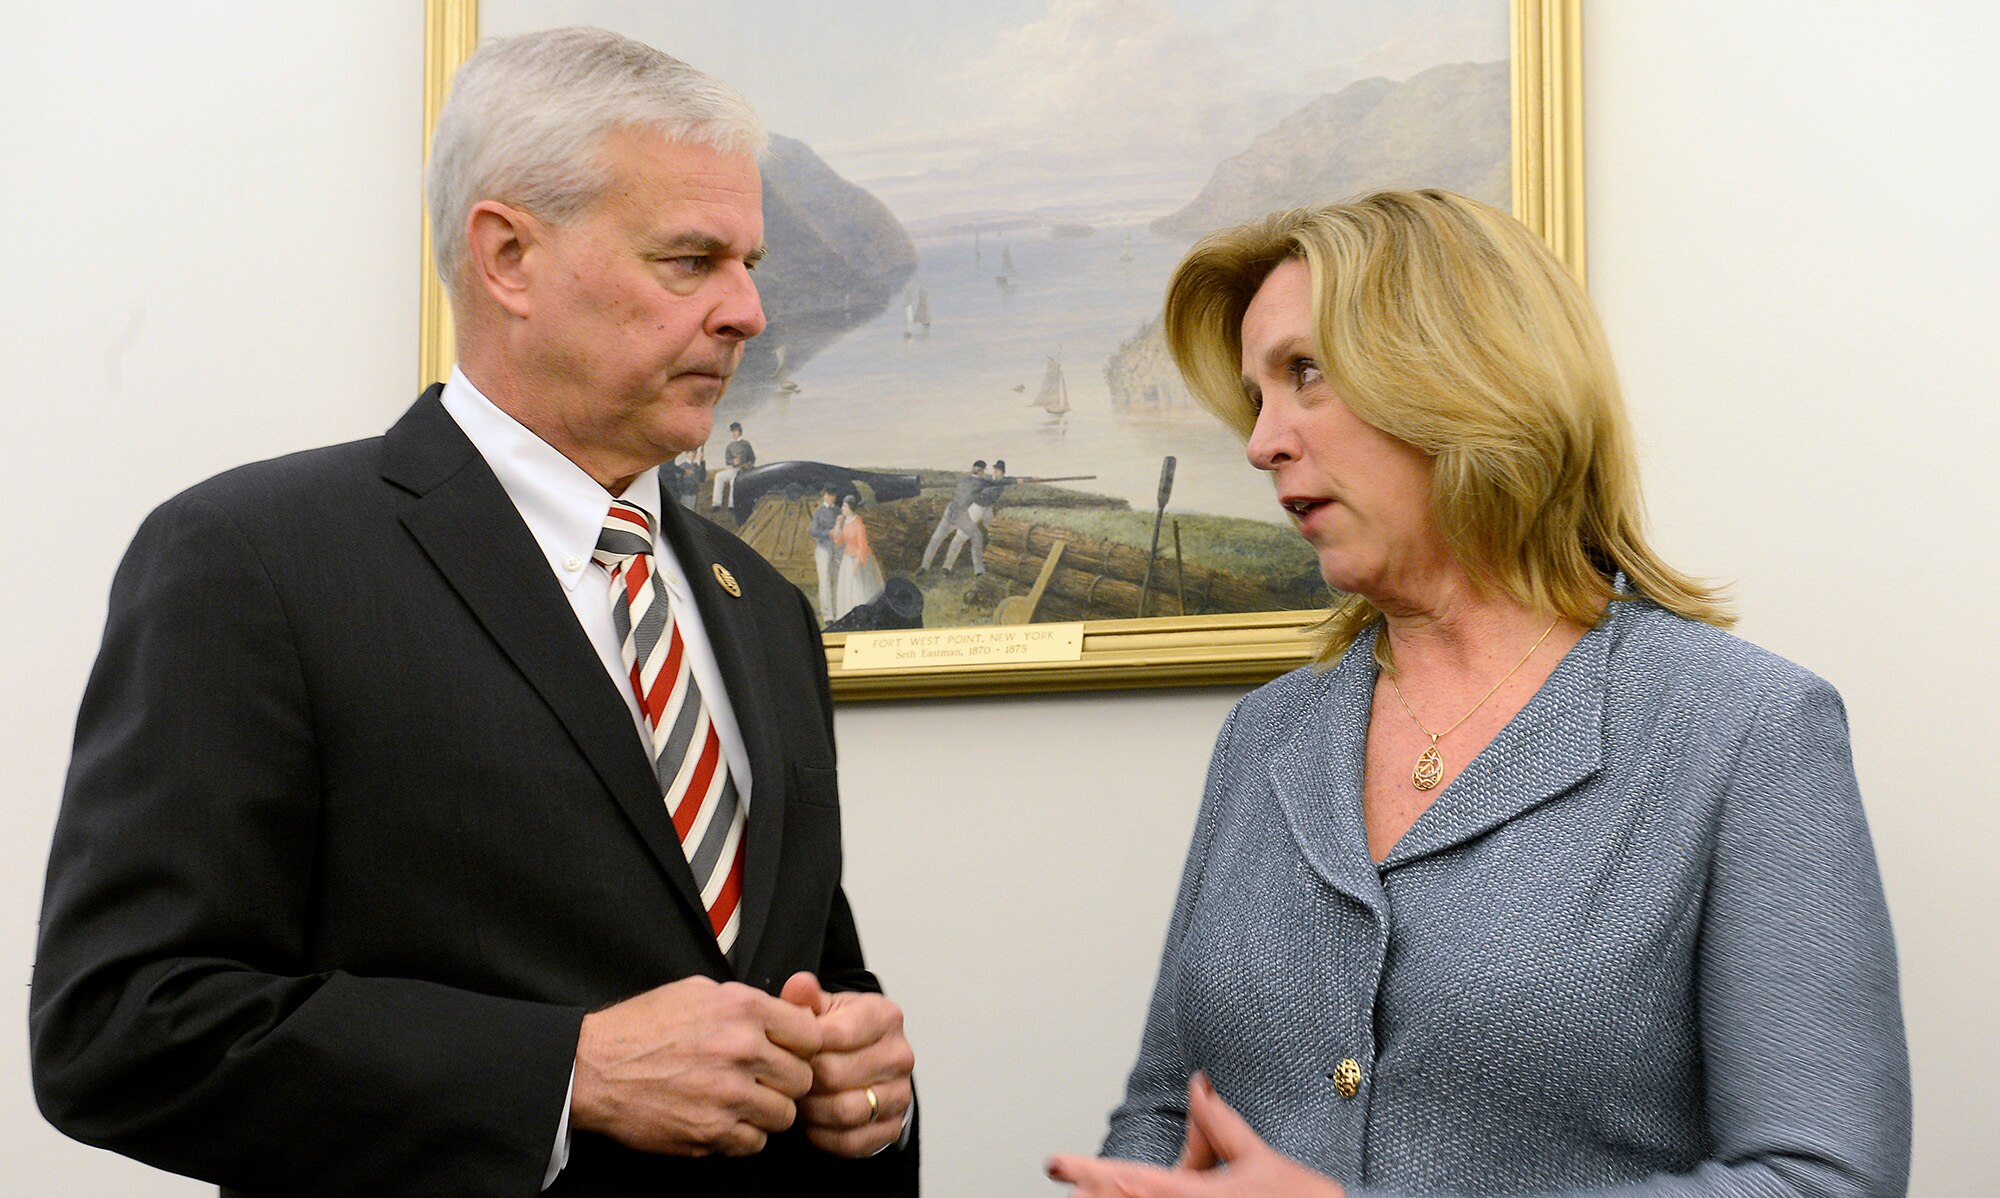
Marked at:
<point>902,1140</point>
<point>560,1156</point>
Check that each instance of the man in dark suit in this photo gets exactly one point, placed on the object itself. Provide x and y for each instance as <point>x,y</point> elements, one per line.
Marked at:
<point>452,813</point>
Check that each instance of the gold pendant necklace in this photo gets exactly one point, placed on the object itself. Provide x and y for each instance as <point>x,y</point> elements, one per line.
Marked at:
<point>1429,770</point>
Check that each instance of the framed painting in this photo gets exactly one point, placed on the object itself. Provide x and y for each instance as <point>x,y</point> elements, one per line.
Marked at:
<point>961,434</point>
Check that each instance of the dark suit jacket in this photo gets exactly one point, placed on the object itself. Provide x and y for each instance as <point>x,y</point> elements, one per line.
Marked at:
<point>358,828</point>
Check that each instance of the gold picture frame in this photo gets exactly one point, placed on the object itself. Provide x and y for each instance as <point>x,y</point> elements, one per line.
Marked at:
<point>1204,650</point>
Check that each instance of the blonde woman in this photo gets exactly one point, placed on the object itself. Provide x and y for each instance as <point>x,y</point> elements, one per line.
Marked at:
<point>1539,881</point>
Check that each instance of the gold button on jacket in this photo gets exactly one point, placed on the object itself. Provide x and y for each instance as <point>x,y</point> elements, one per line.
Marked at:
<point>1347,1078</point>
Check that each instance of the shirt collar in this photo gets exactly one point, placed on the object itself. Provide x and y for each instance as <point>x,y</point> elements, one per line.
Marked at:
<point>562,506</point>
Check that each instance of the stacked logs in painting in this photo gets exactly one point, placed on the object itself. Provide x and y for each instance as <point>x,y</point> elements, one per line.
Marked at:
<point>1098,579</point>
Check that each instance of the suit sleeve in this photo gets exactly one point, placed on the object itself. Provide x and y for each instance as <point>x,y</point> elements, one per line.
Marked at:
<point>173,1018</point>
<point>1151,1123</point>
<point>1807,1074</point>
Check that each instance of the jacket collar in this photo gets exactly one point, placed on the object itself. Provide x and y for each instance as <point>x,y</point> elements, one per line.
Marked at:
<point>1316,774</point>
<point>1551,745</point>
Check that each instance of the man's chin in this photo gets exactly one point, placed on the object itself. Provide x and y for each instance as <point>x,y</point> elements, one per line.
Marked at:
<point>688,428</point>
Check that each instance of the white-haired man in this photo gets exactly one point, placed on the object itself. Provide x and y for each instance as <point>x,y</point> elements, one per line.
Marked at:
<point>453,813</point>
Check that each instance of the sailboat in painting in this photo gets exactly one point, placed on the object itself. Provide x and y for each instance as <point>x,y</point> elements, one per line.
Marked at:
<point>781,375</point>
<point>916,312</point>
<point>1006,274</point>
<point>1053,397</point>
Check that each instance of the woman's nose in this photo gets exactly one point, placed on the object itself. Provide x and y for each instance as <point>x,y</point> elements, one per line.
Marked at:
<point>1272,443</point>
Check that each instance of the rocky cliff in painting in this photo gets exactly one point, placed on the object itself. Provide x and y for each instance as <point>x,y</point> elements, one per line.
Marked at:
<point>837,256</point>
<point>1143,380</point>
<point>1447,127</point>
<point>834,246</point>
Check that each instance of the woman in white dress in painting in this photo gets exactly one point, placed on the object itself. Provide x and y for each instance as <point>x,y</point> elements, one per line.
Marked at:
<point>860,578</point>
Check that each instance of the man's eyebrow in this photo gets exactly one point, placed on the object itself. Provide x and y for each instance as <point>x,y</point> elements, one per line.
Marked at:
<point>703,243</point>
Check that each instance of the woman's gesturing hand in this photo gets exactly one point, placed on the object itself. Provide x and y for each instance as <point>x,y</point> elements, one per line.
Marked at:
<point>1223,1158</point>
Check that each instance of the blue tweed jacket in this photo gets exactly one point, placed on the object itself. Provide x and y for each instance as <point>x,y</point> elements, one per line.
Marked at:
<point>1637,947</point>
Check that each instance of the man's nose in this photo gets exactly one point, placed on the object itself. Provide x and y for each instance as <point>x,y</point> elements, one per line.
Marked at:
<point>739,315</point>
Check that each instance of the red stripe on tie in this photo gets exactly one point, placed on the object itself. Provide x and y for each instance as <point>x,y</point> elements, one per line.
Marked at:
<point>637,521</point>
<point>697,790</point>
<point>655,700</point>
<point>732,891</point>
<point>636,575</point>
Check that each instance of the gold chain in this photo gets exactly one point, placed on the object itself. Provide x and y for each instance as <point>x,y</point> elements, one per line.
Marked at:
<point>1429,770</point>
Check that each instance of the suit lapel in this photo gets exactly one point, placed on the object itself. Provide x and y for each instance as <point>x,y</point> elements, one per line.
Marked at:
<point>471,531</point>
<point>1550,745</point>
<point>731,624</point>
<point>1317,774</point>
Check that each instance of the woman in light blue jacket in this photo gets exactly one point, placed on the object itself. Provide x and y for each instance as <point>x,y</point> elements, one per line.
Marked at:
<point>1539,882</point>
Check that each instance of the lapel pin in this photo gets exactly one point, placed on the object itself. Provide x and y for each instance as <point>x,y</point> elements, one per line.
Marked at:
<point>728,581</point>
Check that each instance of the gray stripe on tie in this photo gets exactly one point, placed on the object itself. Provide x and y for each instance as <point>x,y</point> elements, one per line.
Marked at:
<point>652,622</point>
<point>621,615</point>
<point>681,739</point>
<point>702,860</point>
<point>619,542</point>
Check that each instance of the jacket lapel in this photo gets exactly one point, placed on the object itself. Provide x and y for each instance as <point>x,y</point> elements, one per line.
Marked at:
<point>731,624</point>
<point>1317,774</point>
<point>470,530</point>
<point>1550,745</point>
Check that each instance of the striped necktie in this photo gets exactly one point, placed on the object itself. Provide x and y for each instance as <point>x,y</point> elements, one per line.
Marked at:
<point>687,754</point>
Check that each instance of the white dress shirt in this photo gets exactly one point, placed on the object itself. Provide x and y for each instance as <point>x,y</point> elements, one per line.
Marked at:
<point>564,509</point>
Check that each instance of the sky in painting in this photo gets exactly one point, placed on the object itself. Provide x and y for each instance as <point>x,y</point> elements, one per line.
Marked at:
<point>1099,109</point>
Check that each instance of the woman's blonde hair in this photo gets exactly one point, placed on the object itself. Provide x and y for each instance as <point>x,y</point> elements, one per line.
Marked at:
<point>1447,324</point>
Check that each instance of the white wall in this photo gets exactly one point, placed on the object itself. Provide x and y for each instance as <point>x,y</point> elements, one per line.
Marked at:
<point>198,199</point>
<point>1793,248</point>
<point>1790,245</point>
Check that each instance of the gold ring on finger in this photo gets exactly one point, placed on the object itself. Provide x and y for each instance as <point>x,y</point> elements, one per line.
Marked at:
<point>874,1103</point>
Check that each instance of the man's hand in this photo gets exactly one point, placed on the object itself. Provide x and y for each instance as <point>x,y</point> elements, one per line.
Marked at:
<point>693,1068</point>
<point>861,1049</point>
<point>1216,1137</point>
